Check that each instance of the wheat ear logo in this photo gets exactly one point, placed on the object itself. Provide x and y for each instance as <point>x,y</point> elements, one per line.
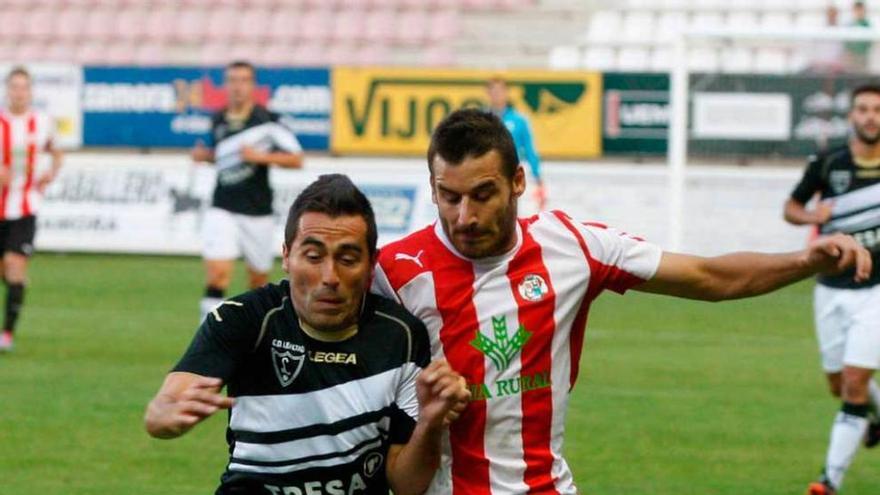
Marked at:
<point>504,347</point>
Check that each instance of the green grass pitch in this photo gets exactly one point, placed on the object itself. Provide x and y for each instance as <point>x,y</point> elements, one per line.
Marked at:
<point>674,397</point>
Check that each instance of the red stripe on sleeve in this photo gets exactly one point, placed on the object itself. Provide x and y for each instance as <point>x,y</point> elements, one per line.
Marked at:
<point>454,284</point>
<point>538,318</point>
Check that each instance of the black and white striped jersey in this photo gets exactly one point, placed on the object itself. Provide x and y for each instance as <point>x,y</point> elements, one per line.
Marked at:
<point>244,187</point>
<point>310,416</point>
<point>855,191</point>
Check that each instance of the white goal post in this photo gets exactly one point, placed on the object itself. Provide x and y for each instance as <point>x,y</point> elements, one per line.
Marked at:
<point>681,107</point>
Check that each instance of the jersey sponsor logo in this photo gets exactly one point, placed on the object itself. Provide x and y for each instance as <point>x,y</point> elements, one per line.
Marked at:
<point>407,257</point>
<point>332,487</point>
<point>533,288</point>
<point>332,357</point>
<point>509,386</point>
<point>840,180</point>
<point>287,364</point>
<point>373,464</point>
<point>503,348</point>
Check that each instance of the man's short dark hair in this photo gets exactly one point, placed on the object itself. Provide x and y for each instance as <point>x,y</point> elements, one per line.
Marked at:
<point>18,71</point>
<point>471,133</point>
<point>242,64</point>
<point>863,89</point>
<point>334,195</point>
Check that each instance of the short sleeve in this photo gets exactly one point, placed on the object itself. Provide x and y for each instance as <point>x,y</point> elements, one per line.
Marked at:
<point>619,261</point>
<point>811,182</point>
<point>283,137</point>
<point>403,419</point>
<point>226,335</point>
<point>381,286</point>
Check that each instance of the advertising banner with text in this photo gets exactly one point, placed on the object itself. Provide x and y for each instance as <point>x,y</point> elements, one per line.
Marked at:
<point>394,110</point>
<point>172,106</point>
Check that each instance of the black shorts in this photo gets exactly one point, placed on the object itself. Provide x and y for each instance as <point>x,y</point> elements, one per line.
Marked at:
<point>17,236</point>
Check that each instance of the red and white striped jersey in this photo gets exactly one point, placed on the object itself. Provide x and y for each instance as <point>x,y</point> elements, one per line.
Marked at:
<point>513,325</point>
<point>22,140</point>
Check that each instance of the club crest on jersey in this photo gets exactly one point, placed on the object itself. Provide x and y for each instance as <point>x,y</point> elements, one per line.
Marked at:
<point>373,463</point>
<point>840,180</point>
<point>533,288</point>
<point>287,365</point>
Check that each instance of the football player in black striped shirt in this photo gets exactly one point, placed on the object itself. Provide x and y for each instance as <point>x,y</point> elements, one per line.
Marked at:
<point>246,140</point>
<point>847,312</point>
<point>325,381</point>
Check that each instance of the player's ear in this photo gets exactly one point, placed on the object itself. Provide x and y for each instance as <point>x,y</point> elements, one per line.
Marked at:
<point>518,184</point>
<point>285,252</point>
<point>433,190</point>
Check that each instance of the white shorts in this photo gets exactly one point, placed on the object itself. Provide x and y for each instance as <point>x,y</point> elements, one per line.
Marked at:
<point>848,327</point>
<point>227,236</point>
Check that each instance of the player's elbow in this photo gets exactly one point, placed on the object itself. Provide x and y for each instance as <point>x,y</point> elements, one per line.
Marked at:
<point>790,212</point>
<point>154,424</point>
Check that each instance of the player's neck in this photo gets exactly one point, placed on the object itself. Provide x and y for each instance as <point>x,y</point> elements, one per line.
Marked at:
<point>864,151</point>
<point>240,111</point>
<point>18,111</point>
<point>324,336</point>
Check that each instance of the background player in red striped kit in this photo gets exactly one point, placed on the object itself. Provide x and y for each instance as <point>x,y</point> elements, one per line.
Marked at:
<point>505,300</point>
<point>24,134</point>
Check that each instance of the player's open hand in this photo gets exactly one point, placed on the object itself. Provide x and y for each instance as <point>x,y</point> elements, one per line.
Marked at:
<point>175,412</point>
<point>442,394</point>
<point>838,252</point>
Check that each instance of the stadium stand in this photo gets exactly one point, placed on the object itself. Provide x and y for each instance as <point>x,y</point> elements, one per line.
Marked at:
<point>270,32</point>
<point>630,35</point>
<point>634,35</point>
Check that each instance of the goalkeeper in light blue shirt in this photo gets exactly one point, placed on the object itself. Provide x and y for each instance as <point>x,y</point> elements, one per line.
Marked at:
<point>521,131</point>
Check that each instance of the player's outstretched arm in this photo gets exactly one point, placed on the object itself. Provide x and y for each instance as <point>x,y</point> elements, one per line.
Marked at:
<point>442,395</point>
<point>738,275</point>
<point>796,213</point>
<point>283,159</point>
<point>184,400</point>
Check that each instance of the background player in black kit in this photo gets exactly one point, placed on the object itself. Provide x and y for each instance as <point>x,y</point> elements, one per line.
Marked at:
<point>329,392</point>
<point>847,312</point>
<point>246,139</point>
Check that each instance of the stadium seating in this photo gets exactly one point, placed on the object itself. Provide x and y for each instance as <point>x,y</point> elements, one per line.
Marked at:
<point>635,35</point>
<point>212,31</point>
<point>587,34</point>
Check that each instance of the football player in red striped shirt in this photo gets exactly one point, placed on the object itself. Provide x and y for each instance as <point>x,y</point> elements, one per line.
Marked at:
<point>24,134</point>
<point>505,300</point>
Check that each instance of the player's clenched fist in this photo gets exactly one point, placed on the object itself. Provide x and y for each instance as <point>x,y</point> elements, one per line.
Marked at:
<point>838,252</point>
<point>442,394</point>
<point>184,400</point>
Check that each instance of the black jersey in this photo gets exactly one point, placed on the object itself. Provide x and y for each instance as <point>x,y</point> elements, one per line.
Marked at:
<point>244,187</point>
<point>855,191</point>
<point>310,416</point>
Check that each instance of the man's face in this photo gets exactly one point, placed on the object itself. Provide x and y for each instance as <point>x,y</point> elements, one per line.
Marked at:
<point>865,118</point>
<point>859,11</point>
<point>240,85</point>
<point>329,266</point>
<point>497,92</point>
<point>476,203</point>
<point>18,91</point>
